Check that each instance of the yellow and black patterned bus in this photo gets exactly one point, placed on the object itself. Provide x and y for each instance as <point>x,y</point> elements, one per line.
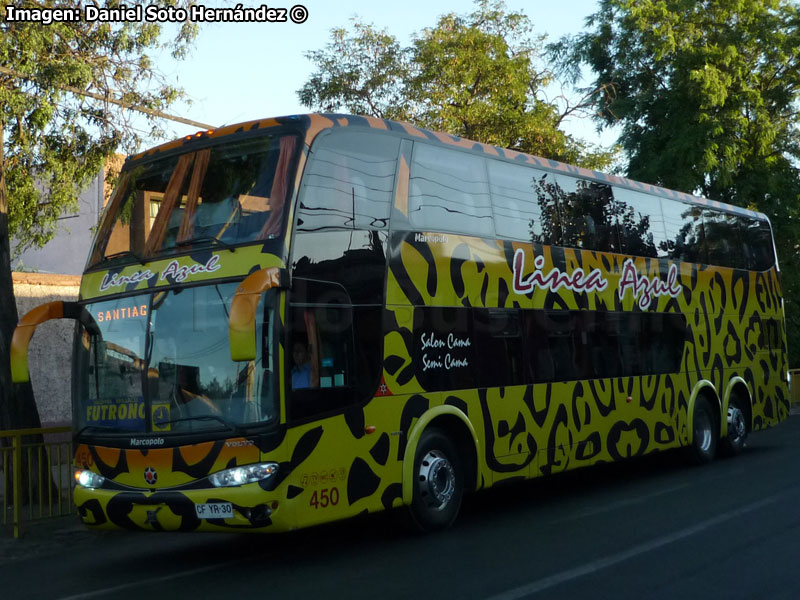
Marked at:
<point>302,319</point>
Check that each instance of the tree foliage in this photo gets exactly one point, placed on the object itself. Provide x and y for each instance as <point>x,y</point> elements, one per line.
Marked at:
<point>707,95</point>
<point>54,140</point>
<point>471,75</point>
<point>705,91</point>
<point>362,71</point>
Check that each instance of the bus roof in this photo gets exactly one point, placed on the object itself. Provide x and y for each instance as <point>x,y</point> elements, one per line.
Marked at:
<point>313,124</point>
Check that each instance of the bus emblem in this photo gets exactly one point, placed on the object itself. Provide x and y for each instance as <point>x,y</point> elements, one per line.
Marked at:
<point>150,475</point>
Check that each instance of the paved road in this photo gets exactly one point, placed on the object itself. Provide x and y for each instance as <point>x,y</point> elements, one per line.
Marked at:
<point>649,529</point>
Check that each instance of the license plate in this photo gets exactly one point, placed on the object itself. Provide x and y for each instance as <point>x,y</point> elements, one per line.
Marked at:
<point>214,510</point>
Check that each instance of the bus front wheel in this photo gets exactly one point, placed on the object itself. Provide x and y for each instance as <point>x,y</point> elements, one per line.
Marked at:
<point>704,429</point>
<point>438,482</point>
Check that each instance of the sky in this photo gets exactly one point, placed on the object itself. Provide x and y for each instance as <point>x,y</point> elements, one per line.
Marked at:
<point>243,71</point>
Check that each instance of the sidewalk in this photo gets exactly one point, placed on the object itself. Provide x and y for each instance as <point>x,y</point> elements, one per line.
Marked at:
<point>47,537</point>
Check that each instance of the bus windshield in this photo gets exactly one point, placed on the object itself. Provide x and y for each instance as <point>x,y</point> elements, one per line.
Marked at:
<point>227,194</point>
<point>160,363</point>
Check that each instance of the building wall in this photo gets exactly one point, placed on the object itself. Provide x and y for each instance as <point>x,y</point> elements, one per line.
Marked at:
<point>50,352</point>
<point>68,250</point>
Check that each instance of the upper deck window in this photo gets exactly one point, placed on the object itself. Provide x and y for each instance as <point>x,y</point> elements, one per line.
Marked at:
<point>641,224</point>
<point>349,182</point>
<point>588,214</point>
<point>231,193</point>
<point>517,207</point>
<point>449,191</point>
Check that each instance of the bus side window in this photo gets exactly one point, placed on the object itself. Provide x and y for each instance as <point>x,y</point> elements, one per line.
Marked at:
<point>561,331</point>
<point>587,213</point>
<point>692,235</point>
<point>674,246</point>
<point>631,344</point>
<point>349,182</point>
<point>553,339</point>
<point>641,224</point>
<point>608,363</point>
<point>368,336</point>
<point>664,335</point>
<point>517,212</point>
<point>759,240</point>
<point>322,360</point>
<point>499,343</point>
<point>548,191</point>
<point>600,346</point>
<point>722,235</point>
<point>449,191</point>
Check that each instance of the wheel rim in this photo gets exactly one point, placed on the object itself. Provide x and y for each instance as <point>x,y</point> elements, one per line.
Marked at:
<point>737,428</point>
<point>437,480</point>
<point>702,431</point>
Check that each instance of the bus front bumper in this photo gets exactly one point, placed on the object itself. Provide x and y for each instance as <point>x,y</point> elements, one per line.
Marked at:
<point>247,508</point>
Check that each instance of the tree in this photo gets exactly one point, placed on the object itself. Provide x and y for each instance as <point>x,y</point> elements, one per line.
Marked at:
<point>470,75</point>
<point>362,72</point>
<point>707,94</point>
<point>54,140</point>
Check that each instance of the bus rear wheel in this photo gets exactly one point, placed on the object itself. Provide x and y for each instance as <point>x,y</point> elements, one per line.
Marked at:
<point>734,442</point>
<point>704,429</point>
<point>438,482</point>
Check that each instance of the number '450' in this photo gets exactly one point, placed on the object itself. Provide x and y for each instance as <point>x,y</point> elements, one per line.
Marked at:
<point>325,498</point>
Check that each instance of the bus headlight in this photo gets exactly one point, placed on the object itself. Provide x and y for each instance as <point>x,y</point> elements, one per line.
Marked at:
<point>243,475</point>
<point>88,479</point>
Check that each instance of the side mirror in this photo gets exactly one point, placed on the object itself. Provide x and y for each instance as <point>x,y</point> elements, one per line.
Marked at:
<point>27,326</point>
<point>242,319</point>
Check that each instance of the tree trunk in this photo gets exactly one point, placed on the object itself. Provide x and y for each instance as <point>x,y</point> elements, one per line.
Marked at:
<point>17,405</point>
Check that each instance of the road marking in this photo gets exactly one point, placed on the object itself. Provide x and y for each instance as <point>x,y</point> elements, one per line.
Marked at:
<point>150,580</point>
<point>603,563</point>
<point>619,504</point>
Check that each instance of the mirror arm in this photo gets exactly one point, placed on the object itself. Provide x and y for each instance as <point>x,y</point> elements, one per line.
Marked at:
<point>24,331</point>
<point>242,319</point>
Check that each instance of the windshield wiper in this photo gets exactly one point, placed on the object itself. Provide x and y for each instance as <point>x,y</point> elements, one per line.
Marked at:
<point>107,428</point>
<point>121,254</point>
<point>206,239</point>
<point>225,422</point>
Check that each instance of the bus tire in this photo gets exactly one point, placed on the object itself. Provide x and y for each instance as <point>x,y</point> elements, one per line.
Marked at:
<point>704,441</point>
<point>438,483</point>
<point>734,442</point>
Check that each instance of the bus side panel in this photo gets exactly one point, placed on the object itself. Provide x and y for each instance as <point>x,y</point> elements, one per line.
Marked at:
<point>351,463</point>
<point>582,422</point>
<point>735,328</point>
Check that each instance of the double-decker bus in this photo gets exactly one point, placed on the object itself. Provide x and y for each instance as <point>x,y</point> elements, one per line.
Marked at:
<point>297,320</point>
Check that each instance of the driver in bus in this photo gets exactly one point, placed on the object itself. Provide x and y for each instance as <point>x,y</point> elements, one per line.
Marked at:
<point>301,371</point>
<point>303,375</point>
